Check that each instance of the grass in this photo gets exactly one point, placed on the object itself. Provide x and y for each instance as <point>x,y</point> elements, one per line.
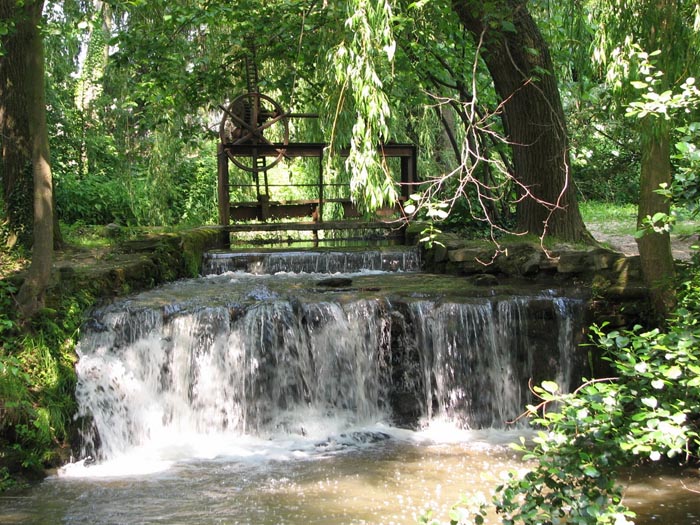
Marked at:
<point>621,219</point>
<point>88,237</point>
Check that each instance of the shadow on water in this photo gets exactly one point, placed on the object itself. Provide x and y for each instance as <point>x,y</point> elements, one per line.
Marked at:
<point>663,495</point>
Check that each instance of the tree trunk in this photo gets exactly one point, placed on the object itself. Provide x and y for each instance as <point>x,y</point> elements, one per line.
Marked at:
<point>14,127</point>
<point>521,68</point>
<point>655,247</point>
<point>31,295</point>
<point>655,252</point>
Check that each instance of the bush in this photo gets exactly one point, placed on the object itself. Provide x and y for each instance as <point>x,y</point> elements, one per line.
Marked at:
<point>37,382</point>
<point>606,169</point>
<point>93,199</point>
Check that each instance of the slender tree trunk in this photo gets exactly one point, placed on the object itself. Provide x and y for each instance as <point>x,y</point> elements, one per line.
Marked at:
<point>521,68</point>
<point>31,295</point>
<point>655,247</point>
<point>655,252</point>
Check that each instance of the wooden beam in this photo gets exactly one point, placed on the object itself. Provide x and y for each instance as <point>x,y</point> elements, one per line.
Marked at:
<point>398,226</point>
<point>310,149</point>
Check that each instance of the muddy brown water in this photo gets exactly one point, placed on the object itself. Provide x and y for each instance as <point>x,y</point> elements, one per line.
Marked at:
<point>393,482</point>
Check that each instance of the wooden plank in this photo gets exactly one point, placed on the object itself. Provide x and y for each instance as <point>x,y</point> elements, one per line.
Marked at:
<point>248,211</point>
<point>224,197</point>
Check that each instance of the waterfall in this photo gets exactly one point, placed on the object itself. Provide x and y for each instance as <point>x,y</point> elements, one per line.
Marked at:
<point>250,359</point>
<point>385,260</point>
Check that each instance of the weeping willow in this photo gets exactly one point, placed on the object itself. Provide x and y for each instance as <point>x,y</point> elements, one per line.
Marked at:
<point>361,60</point>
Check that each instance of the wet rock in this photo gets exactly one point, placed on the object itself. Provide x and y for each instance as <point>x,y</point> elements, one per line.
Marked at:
<point>406,409</point>
<point>439,253</point>
<point>485,279</point>
<point>574,262</point>
<point>531,265</point>
<point>549,263</point>
<point>366,436</point>
<point>464,254</point>
<point>602,259</point>
<point>520,259</point>
<point>335,282</point>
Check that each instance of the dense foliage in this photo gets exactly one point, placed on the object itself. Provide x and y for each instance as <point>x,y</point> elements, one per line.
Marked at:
<point>647,409</point>
<point>134,89</point>
<point>37,383</point>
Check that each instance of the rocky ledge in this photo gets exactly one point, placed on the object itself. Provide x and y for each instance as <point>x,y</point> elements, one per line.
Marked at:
<point>611,279</point>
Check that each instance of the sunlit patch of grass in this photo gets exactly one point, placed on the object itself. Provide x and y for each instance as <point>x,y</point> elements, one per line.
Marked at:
<point>621,219</point>
<point>610,217</point>
<point>596,211</point>
<point>86,236</point>
<point>686,223</point>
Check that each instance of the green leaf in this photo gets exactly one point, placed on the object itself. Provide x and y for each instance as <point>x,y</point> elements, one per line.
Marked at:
<point>659,217</point>
<point>591,471</point>
<point>674,372</point>
<point>550,386</point>
<point>508,26</point>
<point>651,402</point>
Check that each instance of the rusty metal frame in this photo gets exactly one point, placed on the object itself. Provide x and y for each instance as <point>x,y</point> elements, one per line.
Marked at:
<point>264,210</point>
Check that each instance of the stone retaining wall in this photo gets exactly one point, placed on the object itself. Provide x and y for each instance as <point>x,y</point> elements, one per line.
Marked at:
<point>135,265</point>
<point>612,280</point>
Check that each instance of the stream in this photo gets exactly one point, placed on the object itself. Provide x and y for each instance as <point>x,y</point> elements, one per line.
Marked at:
<point>259,396</point>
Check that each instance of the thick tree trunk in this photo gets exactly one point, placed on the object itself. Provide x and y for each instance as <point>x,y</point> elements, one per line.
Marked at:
<point>655,247</point>
<point>16,167</point>
<point>521,68</point>
<point>31,295</point>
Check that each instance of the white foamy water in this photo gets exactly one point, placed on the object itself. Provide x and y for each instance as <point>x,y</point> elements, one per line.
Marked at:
<point>267,368</point>
<point>165,452</point>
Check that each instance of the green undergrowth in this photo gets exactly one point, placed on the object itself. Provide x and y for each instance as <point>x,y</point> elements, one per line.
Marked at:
<point>37,383</point>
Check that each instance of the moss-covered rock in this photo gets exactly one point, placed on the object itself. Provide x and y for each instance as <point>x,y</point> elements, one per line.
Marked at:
<point>134,265</point>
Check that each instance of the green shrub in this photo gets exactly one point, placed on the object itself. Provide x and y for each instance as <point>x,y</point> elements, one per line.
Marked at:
<point>93,199</point>
<point>37,383</point>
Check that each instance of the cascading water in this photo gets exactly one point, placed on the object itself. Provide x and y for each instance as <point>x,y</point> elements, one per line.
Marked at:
<point>241,356</point>
<point>270,400</point>
<point>328,261</point>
